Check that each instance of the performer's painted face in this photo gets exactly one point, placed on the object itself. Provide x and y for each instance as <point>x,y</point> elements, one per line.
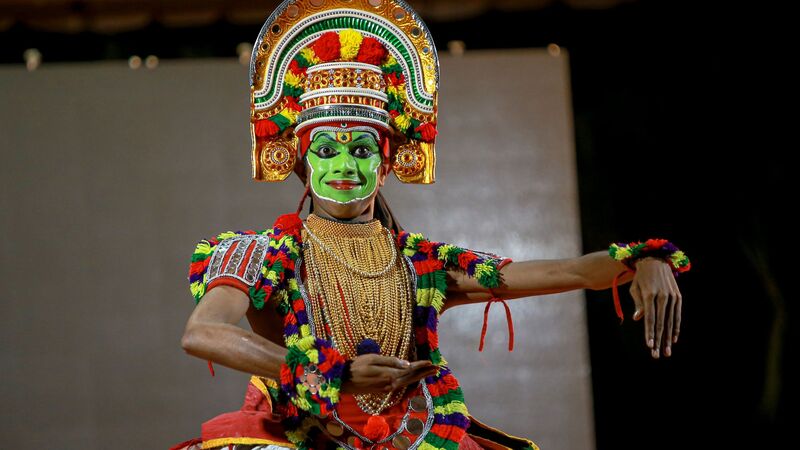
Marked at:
<point>344,165</point>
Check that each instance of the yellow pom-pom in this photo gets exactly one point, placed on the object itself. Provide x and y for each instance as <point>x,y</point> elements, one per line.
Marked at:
<point>226,235</point>
<point>622,253</point>
<point>425,296</point>
<point>198,289</point>
<point>390,61</point>
<point>403,122</point>
<point>309,55</point>
<point>290,114</point>
<point>483,269</point>
<point>398,91</point>
<point>300,400</point>
<point>350,41</point>
<point>444,250</point>
<point>203,248</point>
<point>291,79</point>
<point>313,355</point>
<point>413,239</point>
<point>272,276</point>
<point>437,300</point>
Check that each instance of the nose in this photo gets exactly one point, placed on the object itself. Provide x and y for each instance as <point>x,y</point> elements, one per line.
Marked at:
<point>345,165</point>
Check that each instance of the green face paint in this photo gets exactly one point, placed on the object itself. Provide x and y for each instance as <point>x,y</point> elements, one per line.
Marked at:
<point>344,166</point>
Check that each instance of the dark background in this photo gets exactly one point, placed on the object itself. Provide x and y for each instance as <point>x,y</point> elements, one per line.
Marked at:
<point>680,118</point>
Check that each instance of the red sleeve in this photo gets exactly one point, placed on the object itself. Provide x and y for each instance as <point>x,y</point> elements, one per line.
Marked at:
<point>228,281</point>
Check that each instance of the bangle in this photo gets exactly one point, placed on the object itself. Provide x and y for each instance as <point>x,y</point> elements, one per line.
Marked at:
<point>629,254</point>
<point>311,377</point>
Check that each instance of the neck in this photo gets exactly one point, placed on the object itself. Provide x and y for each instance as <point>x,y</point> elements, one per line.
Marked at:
<point>365,216</point>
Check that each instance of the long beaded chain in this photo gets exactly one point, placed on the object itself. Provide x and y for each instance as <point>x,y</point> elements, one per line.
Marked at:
<point>355,303</point>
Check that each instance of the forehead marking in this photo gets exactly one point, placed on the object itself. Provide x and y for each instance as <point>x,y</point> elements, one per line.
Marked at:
<point>350,130</point>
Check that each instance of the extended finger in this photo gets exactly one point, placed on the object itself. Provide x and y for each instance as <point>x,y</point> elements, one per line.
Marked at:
<point>415,366</point>
<point>637,300</point>
<point>669,326</point>
<point>661,303</point>
<point>678,304</point>
<point>390,361</point>
<point>649,318</point>
<point>414,376</point>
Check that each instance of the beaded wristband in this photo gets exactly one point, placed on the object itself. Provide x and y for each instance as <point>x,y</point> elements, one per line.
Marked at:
<point>311,377</point>
<point>629,254</point>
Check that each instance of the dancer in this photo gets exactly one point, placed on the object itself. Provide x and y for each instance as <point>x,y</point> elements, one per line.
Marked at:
<point>344,304</point>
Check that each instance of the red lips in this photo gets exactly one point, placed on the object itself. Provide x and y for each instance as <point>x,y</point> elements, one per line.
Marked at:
<point>343,185</point>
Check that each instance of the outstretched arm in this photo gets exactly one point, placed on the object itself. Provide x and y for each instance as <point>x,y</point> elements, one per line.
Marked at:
<point>653,289</point>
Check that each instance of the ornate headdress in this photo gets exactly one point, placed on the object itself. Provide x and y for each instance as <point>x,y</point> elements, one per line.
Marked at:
<point>339,64</point>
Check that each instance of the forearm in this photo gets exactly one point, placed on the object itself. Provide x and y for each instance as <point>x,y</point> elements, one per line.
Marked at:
<point>597,271</point>
<point>234,347</point>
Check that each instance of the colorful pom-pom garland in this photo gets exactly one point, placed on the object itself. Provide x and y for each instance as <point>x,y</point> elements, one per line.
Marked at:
<point>630,253</point>
<point>313,356</point>
<point>346,45</point>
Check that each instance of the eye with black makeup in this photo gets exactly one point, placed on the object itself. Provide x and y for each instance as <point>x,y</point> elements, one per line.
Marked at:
<point>362,151</point>
<point>324,151</point>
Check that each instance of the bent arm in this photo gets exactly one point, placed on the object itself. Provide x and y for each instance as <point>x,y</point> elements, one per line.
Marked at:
<point>211,333</point>
<point>594,271</point>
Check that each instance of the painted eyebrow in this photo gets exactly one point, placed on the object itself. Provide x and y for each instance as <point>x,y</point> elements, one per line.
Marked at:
<point>364,136</point>
<point>327,136</point>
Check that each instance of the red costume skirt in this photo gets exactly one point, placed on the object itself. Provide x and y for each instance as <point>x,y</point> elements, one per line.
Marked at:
<point>256,423</point>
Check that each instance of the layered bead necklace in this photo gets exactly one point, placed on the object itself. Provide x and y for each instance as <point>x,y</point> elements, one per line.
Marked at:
<point>359,288</point>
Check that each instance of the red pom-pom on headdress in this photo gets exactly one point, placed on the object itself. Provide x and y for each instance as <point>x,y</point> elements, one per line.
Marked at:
<point>266,128</point>
<point>371,52</point>
<point>295,68</point>
<point>327,46</point>
<point>427,130</point>
<point>395,79</point>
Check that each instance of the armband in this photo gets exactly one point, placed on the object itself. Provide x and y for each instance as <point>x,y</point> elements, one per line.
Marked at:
<point>628,254</point>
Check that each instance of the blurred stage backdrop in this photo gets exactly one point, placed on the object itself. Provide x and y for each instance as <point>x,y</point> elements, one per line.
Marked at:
<point>564,125</point>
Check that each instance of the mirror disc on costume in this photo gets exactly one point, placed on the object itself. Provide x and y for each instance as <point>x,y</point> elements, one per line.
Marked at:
<point>418,403</point>
<point>334,428</point>
<point>415,426</point>
<point>401,442</point>
<point>351,441</point>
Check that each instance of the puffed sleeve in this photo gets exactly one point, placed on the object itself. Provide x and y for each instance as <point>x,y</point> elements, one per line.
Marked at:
<point>232,259</point>
<point>428,255</point>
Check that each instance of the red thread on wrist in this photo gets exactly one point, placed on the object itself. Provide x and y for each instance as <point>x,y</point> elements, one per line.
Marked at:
<point>211,368</point>
<point>615,291</point>
<point>495,298</point>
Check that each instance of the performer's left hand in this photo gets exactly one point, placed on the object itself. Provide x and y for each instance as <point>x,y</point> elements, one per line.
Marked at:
<point>658,300</point>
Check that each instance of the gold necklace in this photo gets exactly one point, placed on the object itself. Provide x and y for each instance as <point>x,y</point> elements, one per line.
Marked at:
<point>356,304</point>
<point>356,269</point>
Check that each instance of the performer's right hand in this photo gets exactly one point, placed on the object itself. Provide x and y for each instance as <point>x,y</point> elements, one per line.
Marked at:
<point>377,373</point>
